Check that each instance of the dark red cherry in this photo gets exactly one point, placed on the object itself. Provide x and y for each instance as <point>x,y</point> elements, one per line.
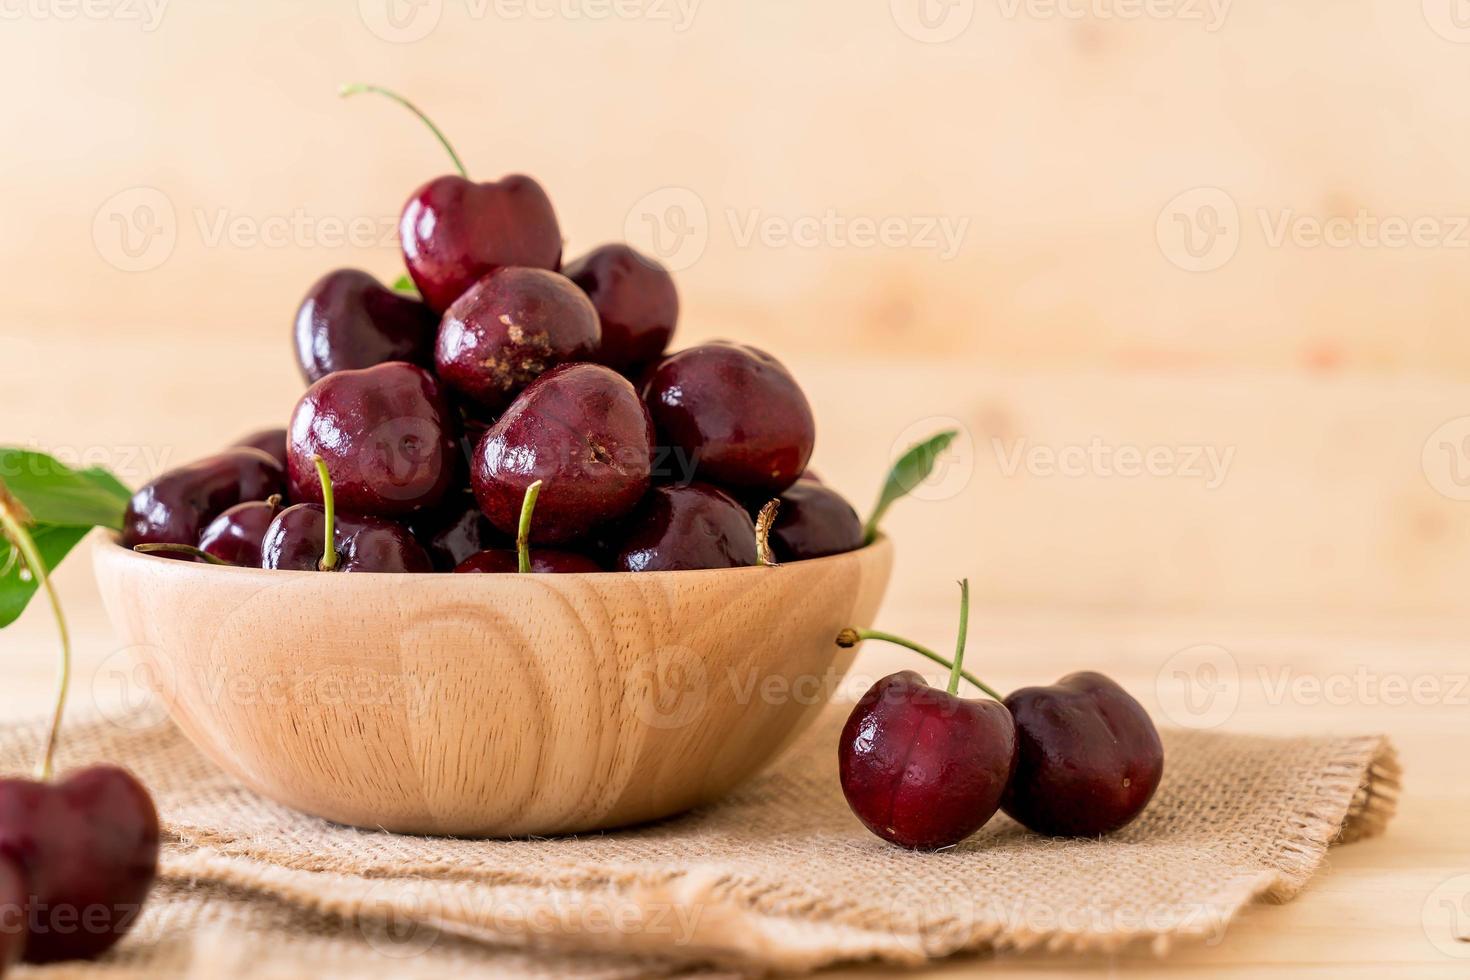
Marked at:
<point>175,507</point>
<point>505,560</point>
<point>583,432</point>
<point>455,530</point>
<point>272,442</point>
<point>386,435</point>
<point>685,527</point>
<point>1090,757</point>
<point>350,321</point>
<point>814,521</point>
<point>735,411</point>
<point>235,536</point>
<point>508,329</point>
<point>636,302</point>
<point>922,768</point>
<point>455,231</point>
<point>87,847</point>
<point>296,541</point>
<point>13,891</point>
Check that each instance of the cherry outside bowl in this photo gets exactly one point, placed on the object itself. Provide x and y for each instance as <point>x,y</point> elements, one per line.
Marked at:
<point>491,705</point>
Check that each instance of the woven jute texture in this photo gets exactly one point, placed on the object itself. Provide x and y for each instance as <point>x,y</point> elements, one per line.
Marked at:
<point>778,877</point>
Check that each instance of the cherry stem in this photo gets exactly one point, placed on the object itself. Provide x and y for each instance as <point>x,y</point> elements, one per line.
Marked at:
<point>763,524</point>
<point>959,649</point>
<point>349,90</point>
<point>179,549</point>
<point>852,637</point>
<point>13,520</point>
<point>523,530</point>
<point>329,504</point>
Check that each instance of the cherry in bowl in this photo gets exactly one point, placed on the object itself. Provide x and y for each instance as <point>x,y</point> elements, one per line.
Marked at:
<point>736,412</point>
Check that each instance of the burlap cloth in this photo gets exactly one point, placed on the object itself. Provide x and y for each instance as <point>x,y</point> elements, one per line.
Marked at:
<point>779,877</point>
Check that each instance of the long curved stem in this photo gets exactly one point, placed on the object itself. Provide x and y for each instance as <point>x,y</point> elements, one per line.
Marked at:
<point>179,549</point>
<point>851,638</point>
<point>523,530</point>
<point>959,648</point>
<point>329,504</point>
<point>356,89</point>
<point>13,519</point>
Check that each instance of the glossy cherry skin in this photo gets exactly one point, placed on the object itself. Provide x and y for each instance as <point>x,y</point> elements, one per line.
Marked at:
<point>272,442</point>
<point>350,321</point>
<point>814,521</point>
<point>1090,757</point>
<point>543,561</point>
<point>13,892</point>
<point>636,303</point>
<point>455,530</point>
<point>455,231</point>
<point>922,768</point>
<point>386,436</point>
<point>296,538</point>
<point>510,328</point>
<point>735,411</point>
<point>88,849</point>
<point>175,507</point>
<point>685,527</point>
<point>236,535</point>
<point>583,432</point>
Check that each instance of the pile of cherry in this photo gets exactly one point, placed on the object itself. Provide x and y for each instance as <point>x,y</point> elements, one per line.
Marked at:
<point>430,416</point>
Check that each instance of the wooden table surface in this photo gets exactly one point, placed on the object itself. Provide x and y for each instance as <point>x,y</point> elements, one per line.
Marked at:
<point>1293,667</point>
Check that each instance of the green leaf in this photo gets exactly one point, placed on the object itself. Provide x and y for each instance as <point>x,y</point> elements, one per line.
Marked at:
<point>54,493</point>
<point>405,285</point>
<point>912,469</point>
<point>16,589</point>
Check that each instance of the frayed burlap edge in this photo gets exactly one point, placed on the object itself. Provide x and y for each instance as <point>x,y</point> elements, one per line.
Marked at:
<point>735,927</point>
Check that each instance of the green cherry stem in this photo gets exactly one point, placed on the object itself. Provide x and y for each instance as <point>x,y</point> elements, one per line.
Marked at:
<point>13,521</point>
<point>179,549</point>
<point>763,524</point>
<point>850,637</point>
<point>959,649</point>
<point>346,91</point>
<point>523,530</point>
<point>329,504</point>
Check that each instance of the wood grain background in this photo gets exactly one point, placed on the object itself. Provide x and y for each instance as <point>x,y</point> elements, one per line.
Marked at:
<point>1087,231</point>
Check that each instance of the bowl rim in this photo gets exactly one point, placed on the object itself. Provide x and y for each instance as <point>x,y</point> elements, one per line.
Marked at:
<point>109,541</point>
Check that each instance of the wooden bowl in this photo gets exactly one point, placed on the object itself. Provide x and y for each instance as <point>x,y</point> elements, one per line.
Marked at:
<point>491,705</point>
